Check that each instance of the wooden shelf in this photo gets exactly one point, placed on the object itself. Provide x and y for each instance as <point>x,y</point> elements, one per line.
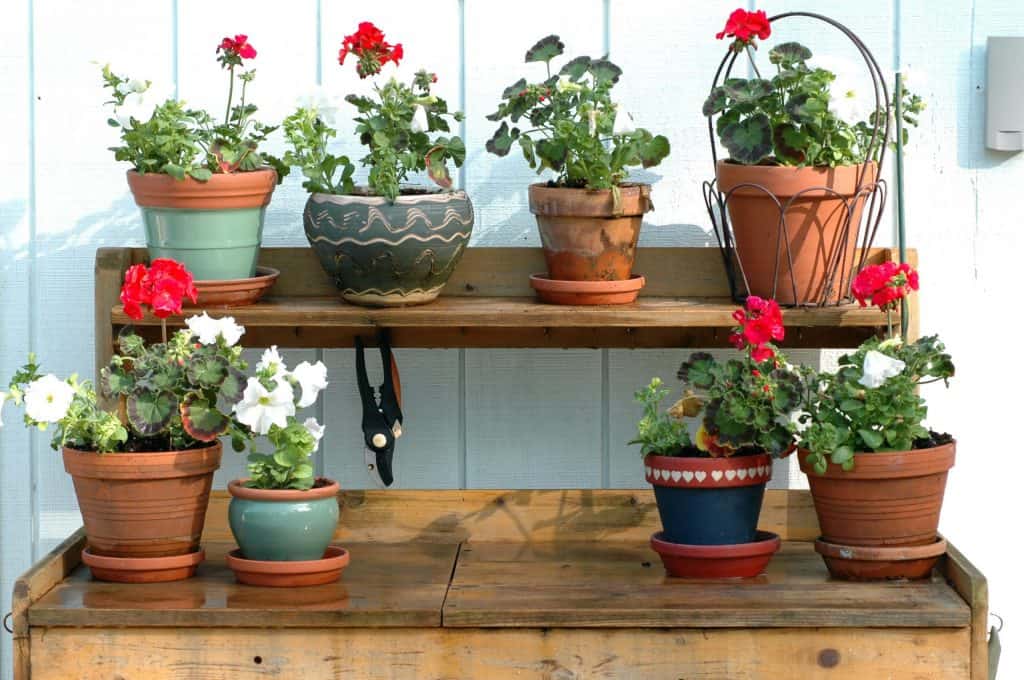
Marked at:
<point>488,303</point>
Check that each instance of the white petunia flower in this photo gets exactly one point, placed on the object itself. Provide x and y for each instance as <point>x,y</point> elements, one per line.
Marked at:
<point>141,105</point>
<point>878,368</point>
<point>623,123</point>
<point>846,96</point>
<point>272,361</point>
<point>312,378</point>
<point>47,399</point>
<point>132,85</point>
<point>207,329</point>
<point>315,429</point>
<point>260,408</point>
<point>230,331</point>
<point>321,102</point>
<point>419,120</point>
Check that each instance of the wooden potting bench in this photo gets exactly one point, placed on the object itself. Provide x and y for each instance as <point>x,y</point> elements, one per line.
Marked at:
<point>494,584</point>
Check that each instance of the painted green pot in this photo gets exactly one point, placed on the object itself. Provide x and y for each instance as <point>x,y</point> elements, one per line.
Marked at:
<point>214,228</point>
<point>383,254</point>
<point>283,525</point>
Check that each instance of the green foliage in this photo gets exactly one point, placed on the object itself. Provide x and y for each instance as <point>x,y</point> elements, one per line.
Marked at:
<point>566,123</point>
<point>289,466</point>
<point>309,136</point>
<point>791,118</point>
<point>658,432</point>
<point>844,416</point>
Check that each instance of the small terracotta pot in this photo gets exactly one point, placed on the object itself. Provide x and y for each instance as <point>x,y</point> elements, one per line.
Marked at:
<point>818,242</point>
<point>220,192</point>
<point>289,574</point>
<point>744,560</point>
<point>143,504</point>
<point>584,237</point>
<point>142,569</point>
<point>234,292</point>
<point>560,292</point>
<point>874,563</point>
<point>888,499</point>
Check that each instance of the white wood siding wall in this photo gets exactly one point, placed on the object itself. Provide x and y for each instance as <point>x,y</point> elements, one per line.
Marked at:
<point>491,418</point>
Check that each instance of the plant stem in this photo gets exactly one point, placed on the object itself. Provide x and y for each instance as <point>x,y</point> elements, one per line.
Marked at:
<point>231,93</point>
<point>163,329</point>
<point>888,321</point>
<point>750,56</point>
<point>242,104</point>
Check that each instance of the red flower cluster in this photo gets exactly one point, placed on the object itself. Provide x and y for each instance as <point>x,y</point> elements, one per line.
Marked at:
<point>884,284</point>
<point>745,26</point>
<point>759,324</point>
<point>163,287</point>
<point>368,44</point>
<point>238,47</point>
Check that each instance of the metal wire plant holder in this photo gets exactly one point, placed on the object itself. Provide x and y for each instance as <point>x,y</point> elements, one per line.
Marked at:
<point>860,216</point>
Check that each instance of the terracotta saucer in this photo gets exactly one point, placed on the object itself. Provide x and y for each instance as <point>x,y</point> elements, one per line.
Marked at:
<point>288,574</point>
<point>235,292</point>
<point>559,292</point>
<point>142,569</point>
<point>742,560</point>
<point>880,563</point>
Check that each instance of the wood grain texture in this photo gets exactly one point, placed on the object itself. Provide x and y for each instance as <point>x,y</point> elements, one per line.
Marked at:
<point>412,654</point>
<point>384,585</point>
<point>539,516</point>
<point>972,586</point>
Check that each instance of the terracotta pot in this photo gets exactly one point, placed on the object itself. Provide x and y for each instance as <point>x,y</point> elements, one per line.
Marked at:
<point>278,574</point>
<point>744,560</point>
<point>143,504</point>
<point>822,250</point>
<point>874,563</point>
<point>214,228</point>
<point>228,293</point>
<point>888,499</point>
<point>561,292</point>
<point>143,569</point>
<point>708,501</point>
<point>584,238</point>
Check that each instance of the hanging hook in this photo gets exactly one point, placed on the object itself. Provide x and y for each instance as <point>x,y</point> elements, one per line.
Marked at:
<point>7,626</point>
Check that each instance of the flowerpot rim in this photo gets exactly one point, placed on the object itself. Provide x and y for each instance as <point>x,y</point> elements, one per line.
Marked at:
<point>785,181</point>
<point>880,553</point>
<point>194,449</point>
<point>238,489</point>
<point>700,473</point>
<point>888,464</point>
<point>134,465</point>
<point>223,191</point>
<point>189,559</point>
<point>335,558</point>
<point>764,543</point>
<point>569,202</point>
<point>401,199</point>
<point>543,282</point>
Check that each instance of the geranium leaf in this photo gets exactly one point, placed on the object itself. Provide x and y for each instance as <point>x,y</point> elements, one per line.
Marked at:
<point>743,91</point>
<point>576,68</point>
<point>207,371</point>
<point>698,370</point>
<point>546,49</point>
<point>232,386</point>
<point>437,169</point>
<point>789,143</point>
<point>604,71</point>
<point>150,411</point>
<point>514,89</point>
<point>201,420</point>
<point>501,142</point>
<point>789,53</point>
<point>805,108</point>
<point>715,102</point>
<point>654,151</point>
<point>115,380</point>
<point>552,152</point>
<point>750,140</point>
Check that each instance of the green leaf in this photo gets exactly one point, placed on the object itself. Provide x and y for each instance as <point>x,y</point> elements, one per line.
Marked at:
<point>743,91</point>
<point>715,102</point>
<point>175,171</point>
<point>604,72</point>
<point>514,89</point>
<point>200,174</point>
<point>873,439</point>
<point>553,153</point>
<point>790,142</point>
<point>546,49</point>
<point>207,371</point>
<point>150,411</point>
<point>654,151</point>
<point>851,405</point>
<point>749,141</point>
<point>114,380</point>
<point>698,371</point>
<point>805,108</point>
<point>501,142</point>
<point>437,169</point>
<point>527,146</point>
<point>789,53</point>
<point>202,420</point>
<point>841,455</point>
<point>576,68</point>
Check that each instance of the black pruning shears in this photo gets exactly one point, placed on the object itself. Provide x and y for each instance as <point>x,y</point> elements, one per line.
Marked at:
<point>382,411</point>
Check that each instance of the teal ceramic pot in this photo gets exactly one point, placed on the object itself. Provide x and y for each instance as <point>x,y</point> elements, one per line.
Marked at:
<point>214,228</point>
<point>279,525</point>
<point>383,254</point>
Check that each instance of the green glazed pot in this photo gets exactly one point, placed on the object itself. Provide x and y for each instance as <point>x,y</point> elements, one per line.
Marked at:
<point>383,254</point>
<point>214,228</point>
<point>283,525</point>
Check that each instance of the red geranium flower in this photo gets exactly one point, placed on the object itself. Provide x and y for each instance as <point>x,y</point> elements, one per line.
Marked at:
<point>162,287</point>
<point>760,323</point>
<point>134,293</point>
<point>883,285</point>
<point>745,26</point>
<point>368,44</point>
<point>237,47</point>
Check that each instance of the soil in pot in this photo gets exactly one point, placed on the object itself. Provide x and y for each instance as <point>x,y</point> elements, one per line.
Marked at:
<point>585,236</point>
<point>888,499</point>
<point>709,501</point>
<point>281,525</point>
<point>817,266</point>
<point>383,254</point>
<point>143,504</point>
<point>214,228</point>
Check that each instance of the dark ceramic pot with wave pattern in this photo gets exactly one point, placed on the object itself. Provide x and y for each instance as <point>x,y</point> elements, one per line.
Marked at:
<point>384,254</point>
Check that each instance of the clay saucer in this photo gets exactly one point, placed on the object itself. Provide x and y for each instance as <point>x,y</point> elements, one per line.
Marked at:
<point>285,574</point>
<point>235,292</point>
<point>560,292</point>
<point>880,563</point>
<point>741,560</point>
<point>142,569</point>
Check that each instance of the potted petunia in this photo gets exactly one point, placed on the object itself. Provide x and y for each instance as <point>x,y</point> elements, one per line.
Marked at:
<point>803,166</point>
<point>589,215</point>
<point>202,184</point>
<point>709,487</point>
<point>390,242</point>
<point>877,473</point>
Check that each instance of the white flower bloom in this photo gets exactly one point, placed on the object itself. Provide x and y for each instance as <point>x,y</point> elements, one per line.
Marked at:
<point>850,92</point>
<point>312,378</point>
<point>419,120</point>
<point>206,329</point>
<point>260,408</point>
<point>623,123</point>
<point>315,429</point>
<point>324,104</point>
<point>140,105</point>
<point>272,361</point>
<point>47,399</point>
<point>878,368</point>
<point>132,85</point>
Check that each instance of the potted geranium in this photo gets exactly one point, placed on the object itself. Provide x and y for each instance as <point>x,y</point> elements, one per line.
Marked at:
<point>202,184</point>
<point>709,489</point>
<point>388,243</point>
<point>876,472</point>
<point>590,214</point>
<point>802,173</point>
